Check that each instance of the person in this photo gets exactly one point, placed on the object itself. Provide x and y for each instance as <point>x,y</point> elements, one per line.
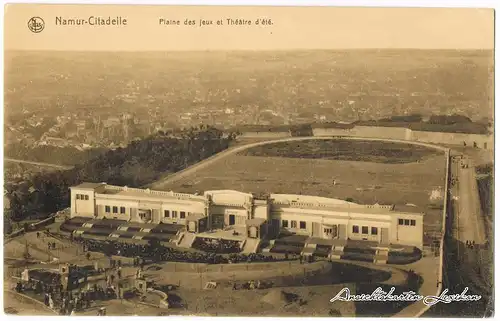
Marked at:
<point>51,302</point>
<point>73,313</point>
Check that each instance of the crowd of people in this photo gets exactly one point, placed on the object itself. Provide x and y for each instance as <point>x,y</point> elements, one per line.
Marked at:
<point>219,246</point>
<point>64,301</point>
<point>157,253</point>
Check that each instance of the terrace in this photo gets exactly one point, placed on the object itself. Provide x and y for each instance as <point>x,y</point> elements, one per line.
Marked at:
<point>118,229</point>
<point>231,233</point>
<point>291,244</point>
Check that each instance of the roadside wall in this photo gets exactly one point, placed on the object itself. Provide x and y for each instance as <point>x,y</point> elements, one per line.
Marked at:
<point>480,141</point>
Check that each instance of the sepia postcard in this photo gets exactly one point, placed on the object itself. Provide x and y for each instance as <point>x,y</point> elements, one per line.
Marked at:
<point>248,161</point>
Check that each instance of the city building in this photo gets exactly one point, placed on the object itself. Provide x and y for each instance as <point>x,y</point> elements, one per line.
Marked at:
<point>259,216</point>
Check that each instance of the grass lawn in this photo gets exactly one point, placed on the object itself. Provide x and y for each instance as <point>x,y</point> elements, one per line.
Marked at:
<point>349,150</point>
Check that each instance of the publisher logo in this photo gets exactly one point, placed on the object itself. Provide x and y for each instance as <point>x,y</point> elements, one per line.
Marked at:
<point>36,24</point>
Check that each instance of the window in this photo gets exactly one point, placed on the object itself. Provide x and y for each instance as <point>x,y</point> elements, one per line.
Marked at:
<point>86,197</point>
<point>294,224</point>
<point>166,213</point>
<point>183,214</point>
<point>302,225</point>
<point>364,230</point>
<point>174,214</point>
<point>413,222</point>
<point>401,221</point>
<point>77,196</point>
<point>407,222</point>
<point>284,223</point>
<point>374,231</point>
<point>115,209</point>
<point>122,210</point>
<point>107,209</point>
<point>355,229</point>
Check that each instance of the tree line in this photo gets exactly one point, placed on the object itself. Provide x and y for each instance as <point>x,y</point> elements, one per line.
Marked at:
<point>138,164</point>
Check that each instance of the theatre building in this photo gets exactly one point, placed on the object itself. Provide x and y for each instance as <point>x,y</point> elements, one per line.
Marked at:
<point>258,216</point>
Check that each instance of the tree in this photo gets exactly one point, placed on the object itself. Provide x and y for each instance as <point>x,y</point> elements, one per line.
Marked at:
<point>140,163</point>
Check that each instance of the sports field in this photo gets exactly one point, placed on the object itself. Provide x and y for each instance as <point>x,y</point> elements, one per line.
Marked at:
<point>366,180</point>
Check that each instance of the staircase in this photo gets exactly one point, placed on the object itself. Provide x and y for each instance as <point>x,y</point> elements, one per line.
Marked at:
<point>268,248</point>
<point>336,252</point>
<point>186,240</point>
<point>251,246</point>
<point>308,249</point>
<point>381,256</point>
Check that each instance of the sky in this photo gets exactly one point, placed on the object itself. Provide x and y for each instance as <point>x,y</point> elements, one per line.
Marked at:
<point>293,28</point>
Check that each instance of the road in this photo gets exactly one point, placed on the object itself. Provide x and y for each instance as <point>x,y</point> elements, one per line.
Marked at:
<point>13,160</point>
<point>19,304</point>
<point>470,221</point>
<point>475,263</point>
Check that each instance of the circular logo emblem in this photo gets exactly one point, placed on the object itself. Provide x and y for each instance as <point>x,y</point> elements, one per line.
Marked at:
<point>36,24</point>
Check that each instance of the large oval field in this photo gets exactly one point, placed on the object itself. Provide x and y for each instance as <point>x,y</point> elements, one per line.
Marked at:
<point>365,171</point>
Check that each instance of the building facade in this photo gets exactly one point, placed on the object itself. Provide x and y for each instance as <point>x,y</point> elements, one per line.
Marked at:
<point>261,216</point>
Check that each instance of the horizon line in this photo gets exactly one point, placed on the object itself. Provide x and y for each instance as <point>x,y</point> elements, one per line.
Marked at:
<point>251,50</point>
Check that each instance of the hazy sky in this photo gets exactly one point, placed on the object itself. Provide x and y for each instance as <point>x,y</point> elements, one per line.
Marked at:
<point>293,28</point>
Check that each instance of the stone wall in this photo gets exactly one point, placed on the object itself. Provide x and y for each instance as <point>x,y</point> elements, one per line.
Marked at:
<point>399,133</point>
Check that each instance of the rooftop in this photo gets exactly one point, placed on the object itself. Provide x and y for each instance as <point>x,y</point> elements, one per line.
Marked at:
<point>91,186</point>
<point>147,193</point>
<point>366,209</point>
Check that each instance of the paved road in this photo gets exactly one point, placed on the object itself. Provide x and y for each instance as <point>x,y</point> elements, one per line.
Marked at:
<point>13,160</point>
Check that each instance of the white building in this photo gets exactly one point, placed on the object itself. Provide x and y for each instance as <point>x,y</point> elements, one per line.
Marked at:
<point>261,216</point>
